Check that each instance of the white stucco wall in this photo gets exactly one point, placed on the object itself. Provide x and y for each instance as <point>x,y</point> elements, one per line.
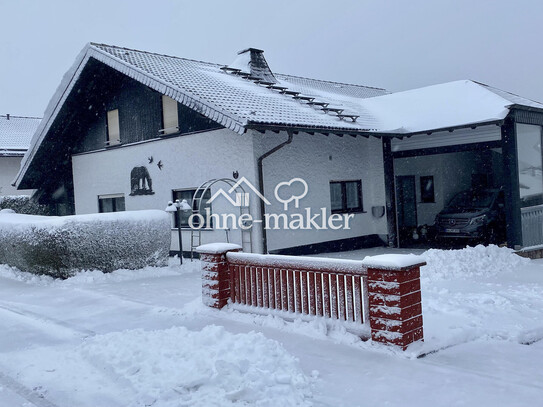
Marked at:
<point>9,166</point>
<point>193,159</point>
<point>188,161</point>
<point>319,159</point>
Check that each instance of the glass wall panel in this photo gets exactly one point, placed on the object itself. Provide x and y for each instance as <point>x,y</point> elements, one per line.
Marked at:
<point>530,164</point>
<point>530,175</point>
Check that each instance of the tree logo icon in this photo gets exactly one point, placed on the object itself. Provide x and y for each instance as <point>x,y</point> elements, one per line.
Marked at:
<point>295,198</point>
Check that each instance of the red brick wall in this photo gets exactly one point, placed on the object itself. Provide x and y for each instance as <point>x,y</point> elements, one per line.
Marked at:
<point>393,294</point>
<point>395,305</point>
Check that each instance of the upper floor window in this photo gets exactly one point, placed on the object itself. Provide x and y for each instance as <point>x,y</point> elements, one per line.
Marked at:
<point>111,203</point>
<point>170,117</point>
<point>113,130</point>
<point>346,196</point>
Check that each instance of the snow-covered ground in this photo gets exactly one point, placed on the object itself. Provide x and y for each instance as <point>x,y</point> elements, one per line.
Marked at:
<point>143,338</point>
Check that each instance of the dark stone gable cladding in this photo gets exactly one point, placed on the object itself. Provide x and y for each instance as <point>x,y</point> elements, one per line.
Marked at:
<point>139,108</point>
<point>81,127</point>
<point>140,111</point>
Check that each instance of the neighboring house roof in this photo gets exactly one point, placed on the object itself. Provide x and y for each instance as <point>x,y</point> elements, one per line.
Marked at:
<point>16,133</point>
<point>447,105</point>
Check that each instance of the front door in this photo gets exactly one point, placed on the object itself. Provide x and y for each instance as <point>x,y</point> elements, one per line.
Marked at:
<point>406,206</point>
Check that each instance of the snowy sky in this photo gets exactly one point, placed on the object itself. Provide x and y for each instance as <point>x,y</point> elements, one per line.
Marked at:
<point>395,44</point>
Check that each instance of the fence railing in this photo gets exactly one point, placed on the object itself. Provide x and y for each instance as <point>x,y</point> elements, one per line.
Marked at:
<point>532,225</point>
<point>381,291</point>
<point>326,288</point>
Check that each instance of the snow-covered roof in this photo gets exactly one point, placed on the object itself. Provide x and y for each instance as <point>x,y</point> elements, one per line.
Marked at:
<point>235,101</point>
<point>231,100</point>
<point>246,94</point>
<point>16,133</point>
<point>447,105</point>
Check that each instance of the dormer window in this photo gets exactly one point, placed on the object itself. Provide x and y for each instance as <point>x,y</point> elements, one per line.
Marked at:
<point>113,131</point>
<point>170,117</point>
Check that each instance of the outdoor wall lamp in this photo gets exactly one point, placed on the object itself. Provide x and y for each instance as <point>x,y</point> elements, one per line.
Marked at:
<point>178,207</point>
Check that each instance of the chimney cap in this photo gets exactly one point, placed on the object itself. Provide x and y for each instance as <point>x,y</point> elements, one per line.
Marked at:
<point>251,61</point>
<point>250,49</point>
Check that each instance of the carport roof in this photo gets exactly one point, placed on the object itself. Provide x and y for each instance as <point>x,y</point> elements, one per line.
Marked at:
<point>447,105</point>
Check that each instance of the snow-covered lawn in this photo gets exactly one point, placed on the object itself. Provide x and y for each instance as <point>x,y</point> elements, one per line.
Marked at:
<point>143,338</point>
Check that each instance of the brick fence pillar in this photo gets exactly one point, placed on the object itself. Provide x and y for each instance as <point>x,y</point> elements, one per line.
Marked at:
<point>394,298</point>
<point>215,274</point>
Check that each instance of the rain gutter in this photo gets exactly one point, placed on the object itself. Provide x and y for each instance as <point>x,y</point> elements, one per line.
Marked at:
<point>261,185</point>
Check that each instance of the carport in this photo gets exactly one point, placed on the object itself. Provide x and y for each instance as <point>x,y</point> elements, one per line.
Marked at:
<point>430,171</point>
<point>459,136</point>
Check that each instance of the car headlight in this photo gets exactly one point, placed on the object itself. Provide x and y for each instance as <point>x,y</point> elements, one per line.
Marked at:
<point>479,220</point>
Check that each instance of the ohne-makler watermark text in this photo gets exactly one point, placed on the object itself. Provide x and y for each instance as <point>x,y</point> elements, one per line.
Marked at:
<point>282,221</point>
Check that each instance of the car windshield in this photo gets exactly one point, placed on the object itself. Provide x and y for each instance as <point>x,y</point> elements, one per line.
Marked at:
<point>472,200</point>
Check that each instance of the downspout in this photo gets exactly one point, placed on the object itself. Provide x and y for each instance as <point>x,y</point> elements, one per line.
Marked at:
<point>261,186</point>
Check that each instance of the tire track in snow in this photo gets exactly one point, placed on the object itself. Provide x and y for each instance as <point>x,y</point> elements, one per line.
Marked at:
<point>32,396</point>
<point>482,375</point>
<point>45,320</point>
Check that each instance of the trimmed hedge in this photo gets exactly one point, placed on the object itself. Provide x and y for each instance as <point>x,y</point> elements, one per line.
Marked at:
<point>61,246</point>
<point>23,204</point>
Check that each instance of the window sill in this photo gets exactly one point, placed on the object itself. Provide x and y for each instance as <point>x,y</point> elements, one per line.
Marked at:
<point>168,135</point>
<point>109,146</point>
<point>341,211</point>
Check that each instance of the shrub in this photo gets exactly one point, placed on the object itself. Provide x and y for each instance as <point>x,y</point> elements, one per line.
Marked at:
<point>61,246</point>
<point>23,204</point>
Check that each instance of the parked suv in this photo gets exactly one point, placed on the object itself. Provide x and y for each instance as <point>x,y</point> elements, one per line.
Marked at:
<point>473,214</point>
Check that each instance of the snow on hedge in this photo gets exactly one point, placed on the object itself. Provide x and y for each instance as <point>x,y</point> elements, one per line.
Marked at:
<point>60,246</point>
<point>211,367</point>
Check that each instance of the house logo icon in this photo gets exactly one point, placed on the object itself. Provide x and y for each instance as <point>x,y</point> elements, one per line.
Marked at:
<point>241,198</point>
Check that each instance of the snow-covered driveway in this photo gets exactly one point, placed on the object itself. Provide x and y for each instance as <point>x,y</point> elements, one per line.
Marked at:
<point>136,338</point>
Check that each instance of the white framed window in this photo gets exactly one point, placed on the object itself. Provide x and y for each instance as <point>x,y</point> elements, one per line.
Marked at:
<point>111,203</point>
<point>346,196</point>
<point>170,117</point>
<point>113,129</point>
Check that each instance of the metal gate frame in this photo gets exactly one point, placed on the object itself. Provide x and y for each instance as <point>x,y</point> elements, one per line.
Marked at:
<point>196,205</point>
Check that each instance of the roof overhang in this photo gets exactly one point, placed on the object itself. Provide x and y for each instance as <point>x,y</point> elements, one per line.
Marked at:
<point>263,127</point>
<point>452,128</point>
<point>526,108</point>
